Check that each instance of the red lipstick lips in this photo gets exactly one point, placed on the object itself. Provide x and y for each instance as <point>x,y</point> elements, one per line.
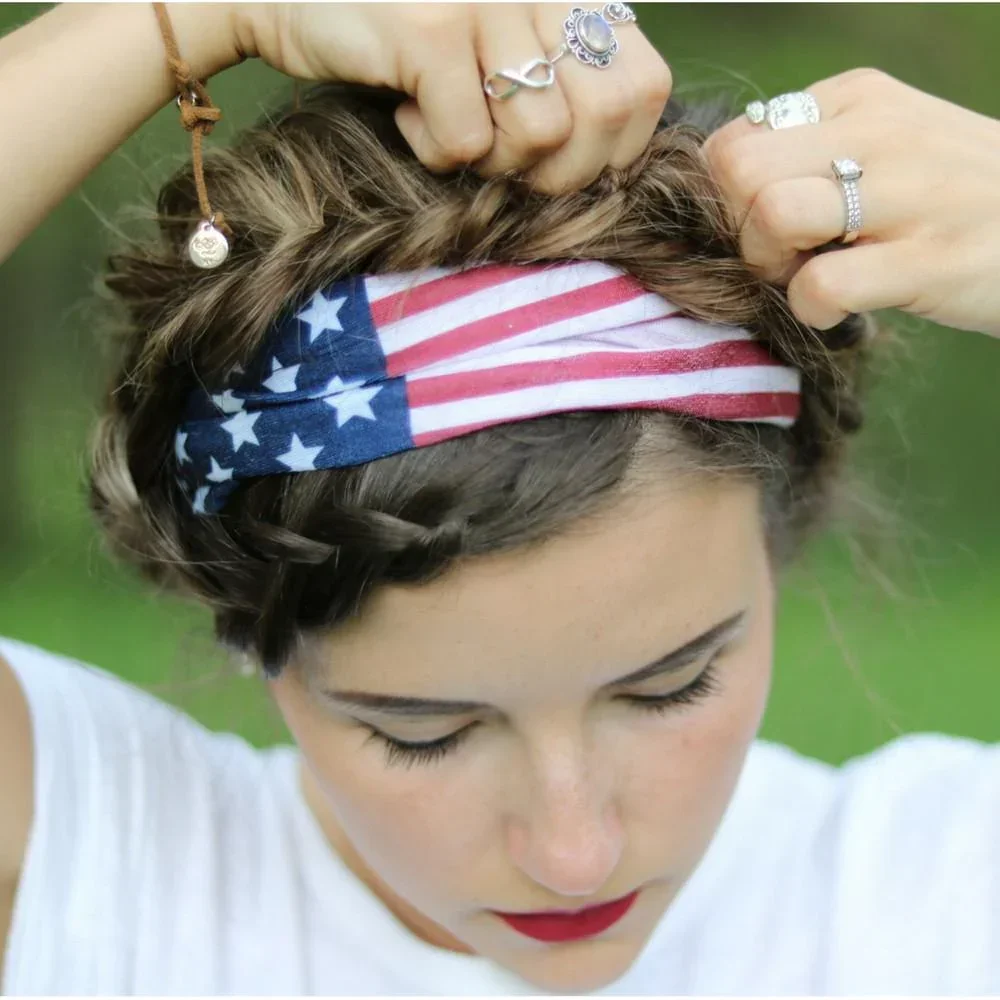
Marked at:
<point>554,925</point>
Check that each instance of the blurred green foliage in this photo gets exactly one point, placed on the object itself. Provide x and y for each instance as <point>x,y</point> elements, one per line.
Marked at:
<point>895,633</point>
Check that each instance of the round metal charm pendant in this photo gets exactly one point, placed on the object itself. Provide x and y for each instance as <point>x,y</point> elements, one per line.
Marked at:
<point>208,247</point>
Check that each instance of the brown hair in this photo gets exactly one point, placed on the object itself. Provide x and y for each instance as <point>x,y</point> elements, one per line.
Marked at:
<point>331,189</point>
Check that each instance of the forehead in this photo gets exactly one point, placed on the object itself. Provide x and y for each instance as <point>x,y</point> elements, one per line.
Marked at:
<point>658,567</point>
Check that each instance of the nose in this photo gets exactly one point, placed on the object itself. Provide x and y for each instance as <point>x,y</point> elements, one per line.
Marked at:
<point>569,836</point>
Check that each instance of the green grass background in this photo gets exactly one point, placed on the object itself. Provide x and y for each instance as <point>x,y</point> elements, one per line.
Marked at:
<point>894,634</point>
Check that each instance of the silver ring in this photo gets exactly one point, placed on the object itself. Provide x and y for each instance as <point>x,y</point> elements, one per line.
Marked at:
<point>520,78</point>
<point>785,110</point>
<point>848,172</point>
<point>589,36</point>
<point>617,13</point>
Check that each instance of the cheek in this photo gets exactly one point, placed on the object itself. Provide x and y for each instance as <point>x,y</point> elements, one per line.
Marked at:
<point>690,764</point>
<point>417,827</point>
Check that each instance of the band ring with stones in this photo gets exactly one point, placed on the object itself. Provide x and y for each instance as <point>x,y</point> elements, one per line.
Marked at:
<point>848,172</point>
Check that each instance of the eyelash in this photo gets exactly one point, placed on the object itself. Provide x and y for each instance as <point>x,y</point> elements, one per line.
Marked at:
<point>408,754</point>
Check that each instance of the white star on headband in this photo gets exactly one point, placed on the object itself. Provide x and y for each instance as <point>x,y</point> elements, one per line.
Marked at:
<point>321,314</point>
<point>298,458</point>
<point>180,447</point>
<point>227,402</point>
<point>282,379</point>
<point>353,403</point>
<point>240,428</point>
<point>218,474</point>
<point>198,503</point>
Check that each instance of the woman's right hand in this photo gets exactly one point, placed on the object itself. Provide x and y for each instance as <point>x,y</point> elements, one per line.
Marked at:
<point>561,137</point>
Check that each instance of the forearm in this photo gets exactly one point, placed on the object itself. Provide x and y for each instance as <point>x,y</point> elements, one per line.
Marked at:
<point>76,82</point>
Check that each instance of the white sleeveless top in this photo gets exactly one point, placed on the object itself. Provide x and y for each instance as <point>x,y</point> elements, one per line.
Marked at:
<point>169,859</point>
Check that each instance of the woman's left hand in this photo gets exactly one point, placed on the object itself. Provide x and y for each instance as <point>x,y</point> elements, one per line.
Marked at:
<point>930,201</point>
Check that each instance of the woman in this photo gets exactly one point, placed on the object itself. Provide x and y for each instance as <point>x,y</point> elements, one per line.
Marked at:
<point>524,653</point>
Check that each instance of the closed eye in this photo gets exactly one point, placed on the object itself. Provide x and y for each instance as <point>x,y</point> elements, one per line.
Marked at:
<point>704,685</point>
<point>402,752</point>
<point>408,753</point>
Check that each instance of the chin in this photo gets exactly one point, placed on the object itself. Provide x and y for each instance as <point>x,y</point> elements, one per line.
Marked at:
<point>577,967</point>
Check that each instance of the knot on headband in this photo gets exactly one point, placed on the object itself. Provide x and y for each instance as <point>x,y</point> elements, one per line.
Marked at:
<point>196,115</point>
<point>378,364</point>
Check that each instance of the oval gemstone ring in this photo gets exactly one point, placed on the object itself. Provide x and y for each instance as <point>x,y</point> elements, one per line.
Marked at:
<point>590,36</point>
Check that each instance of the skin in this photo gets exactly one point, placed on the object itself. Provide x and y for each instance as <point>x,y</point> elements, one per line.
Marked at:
<point>929,242</point>
<point>560,137</point>
<point>565,795</point>
<point>929,246</point>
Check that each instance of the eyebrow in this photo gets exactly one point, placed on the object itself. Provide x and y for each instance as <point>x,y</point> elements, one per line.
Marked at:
<point>671,663</point>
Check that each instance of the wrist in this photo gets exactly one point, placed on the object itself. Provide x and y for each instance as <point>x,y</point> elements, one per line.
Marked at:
<point>250,22</point>
<point>209,35</point>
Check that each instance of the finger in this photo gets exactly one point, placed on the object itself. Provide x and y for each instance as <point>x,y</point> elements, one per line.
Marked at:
<point>530,123</point>
<point>856,279</point>
<point>834,95</point>
<point>788,218</point>
<point>744,157</point>
<point>745,167</point>
<point>450,124</point>
<point>602,103</point>
<point>412,125</point>
<point>653,83</point>
<point>800,213</point>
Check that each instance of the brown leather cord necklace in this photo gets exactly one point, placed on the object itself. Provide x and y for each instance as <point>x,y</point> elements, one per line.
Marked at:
<point>208,246</point>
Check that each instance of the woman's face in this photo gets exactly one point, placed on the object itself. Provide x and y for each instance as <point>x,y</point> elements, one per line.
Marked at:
<point>549,783</point>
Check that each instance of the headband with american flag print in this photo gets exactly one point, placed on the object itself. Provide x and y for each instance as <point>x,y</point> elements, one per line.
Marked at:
<point>377,364</point>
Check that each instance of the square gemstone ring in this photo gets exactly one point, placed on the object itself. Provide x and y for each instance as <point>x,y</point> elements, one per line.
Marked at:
<point>785,111</point>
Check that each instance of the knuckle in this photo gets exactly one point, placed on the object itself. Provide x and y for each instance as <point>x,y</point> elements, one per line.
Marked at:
<point>436,161</point>
<point>820,285</point>
<point>467,148</point>
<point>558,181</point>
<point>734,169</point>
<point>546,133</point>
<point>866,78</point>
<point>775,212</point>
<point>658,86</point>
<point>435,18</point>
<point>615,106</point>
<point>550,186</point>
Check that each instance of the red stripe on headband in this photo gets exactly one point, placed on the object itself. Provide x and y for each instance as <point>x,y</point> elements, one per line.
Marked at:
<point>503,325</point>
<point>743,407</point>
<point>439,291</point>
<point>434,389</point>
